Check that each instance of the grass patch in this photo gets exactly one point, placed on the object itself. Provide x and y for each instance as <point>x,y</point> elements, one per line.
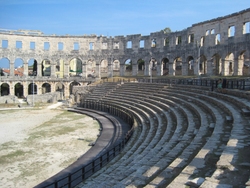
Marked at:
<point>11,156</point>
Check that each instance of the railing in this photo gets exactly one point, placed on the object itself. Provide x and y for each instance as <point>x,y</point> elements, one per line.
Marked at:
<point>83,172</point>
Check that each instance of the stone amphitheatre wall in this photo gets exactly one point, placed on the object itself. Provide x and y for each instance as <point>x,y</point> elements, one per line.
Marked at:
<point>220,46</point>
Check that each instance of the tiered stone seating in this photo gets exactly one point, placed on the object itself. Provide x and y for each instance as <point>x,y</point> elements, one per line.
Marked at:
<point>185,132</point>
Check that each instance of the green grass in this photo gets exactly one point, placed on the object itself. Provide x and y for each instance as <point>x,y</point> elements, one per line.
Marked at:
<point>11,156</point>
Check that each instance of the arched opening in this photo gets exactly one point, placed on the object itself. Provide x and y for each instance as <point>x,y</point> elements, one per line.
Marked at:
<point>217,65</point>
<point>46,88</point>
<point>60,88</point>
<point>128,67</point>
<point>104,68</point>
<point>203,65</point>
<point>18,67</point>
<point>46,67</point>
<point>229,65</point>
<point>153,67</point>
<point>244,64</point>
<point>5,89</point>
<point>165,66</point>
<point>190,61</point>
<point>141,66</point>
<point>178,66</point>
<point>19,90</point>
<point>5,67</point>
<point>32,89</point>
<point>116,68</point>
<point>32,67</point>
<point>72,84</point>
<point>75,67</point>
<point>59,68</point>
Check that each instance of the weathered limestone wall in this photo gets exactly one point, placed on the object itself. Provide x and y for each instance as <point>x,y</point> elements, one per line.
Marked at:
<point>220,46</point>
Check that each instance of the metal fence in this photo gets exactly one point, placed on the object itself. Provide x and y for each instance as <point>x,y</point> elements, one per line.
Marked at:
<point>83,172</point>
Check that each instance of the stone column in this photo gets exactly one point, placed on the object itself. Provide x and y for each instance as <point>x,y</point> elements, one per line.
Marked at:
<point>210,67</point>
<point>147,71</point>
<point>39,68</point>
<point>122,69</point>
<point>39,88</point>
<point>159,69</point>
<point>171,69</point>
<point>66,70</point>
<point>184,69</point>
<point>222,67</point>
<point>25,89</point>
<point>25,68</point>
<point>84,70</point>
<point>12,88</point>
<point>238,66</point>
<point>98,71</point>
<point>12,67</point>
<point>134,69</point>
<point>53,70</point>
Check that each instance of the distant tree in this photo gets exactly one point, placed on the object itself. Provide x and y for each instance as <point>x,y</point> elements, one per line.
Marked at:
<point>166,30</point>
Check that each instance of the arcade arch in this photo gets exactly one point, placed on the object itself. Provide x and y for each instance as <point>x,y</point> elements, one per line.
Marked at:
<point>46,67</point>
<point>59,68</point>
<point>128,67</point>
<point>5,89</point>
<point>165,66</point>
<point>46,88</point>
<point>75,67</point>
<point>116,67</point>
<point>32,67</point>
<point>216,65</point>
<point>141,67</point>
<point>203,65</point>
<point>32,89</point>
<point>178,66</point>
<point>190,61</point>
<point>5,66</point>
<point>19,90</point>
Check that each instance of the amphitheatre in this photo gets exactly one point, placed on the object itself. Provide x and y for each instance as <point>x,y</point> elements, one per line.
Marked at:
<point>164,122</point>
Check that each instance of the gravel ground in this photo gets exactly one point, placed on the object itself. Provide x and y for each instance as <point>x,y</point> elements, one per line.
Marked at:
<point>37,143</point>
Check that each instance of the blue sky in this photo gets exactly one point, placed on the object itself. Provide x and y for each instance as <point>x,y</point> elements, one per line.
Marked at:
<point>111,17</point>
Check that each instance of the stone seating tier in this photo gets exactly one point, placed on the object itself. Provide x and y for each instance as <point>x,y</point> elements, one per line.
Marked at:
<point>184,133</point>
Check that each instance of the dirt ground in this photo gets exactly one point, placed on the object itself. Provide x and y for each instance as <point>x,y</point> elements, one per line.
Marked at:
<point>37,143</point>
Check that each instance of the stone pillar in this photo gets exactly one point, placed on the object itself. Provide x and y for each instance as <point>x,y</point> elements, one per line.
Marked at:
<point>25,89</point>
<point>12,67</point>
<point>222,67</point>
<point>39,88</point>
<point>25,68</point>
<point>134,69</point>
<point>147,71</point>
<point>238,66</point>
<point>159,69</point>
<point>171,69</point>
<point>122,69</point>
<point>39,68</point>
<point>110,67</point>
<point>98,71</point>
<point>12,88</point>
<point>53,70</point>
<point>184,69</point>
<point>210,67</point>
<point>66,70</point>
<point>84,70</point>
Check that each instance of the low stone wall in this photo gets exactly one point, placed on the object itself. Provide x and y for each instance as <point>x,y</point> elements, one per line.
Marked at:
<point>8,99</point>
<point>44,98</point>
